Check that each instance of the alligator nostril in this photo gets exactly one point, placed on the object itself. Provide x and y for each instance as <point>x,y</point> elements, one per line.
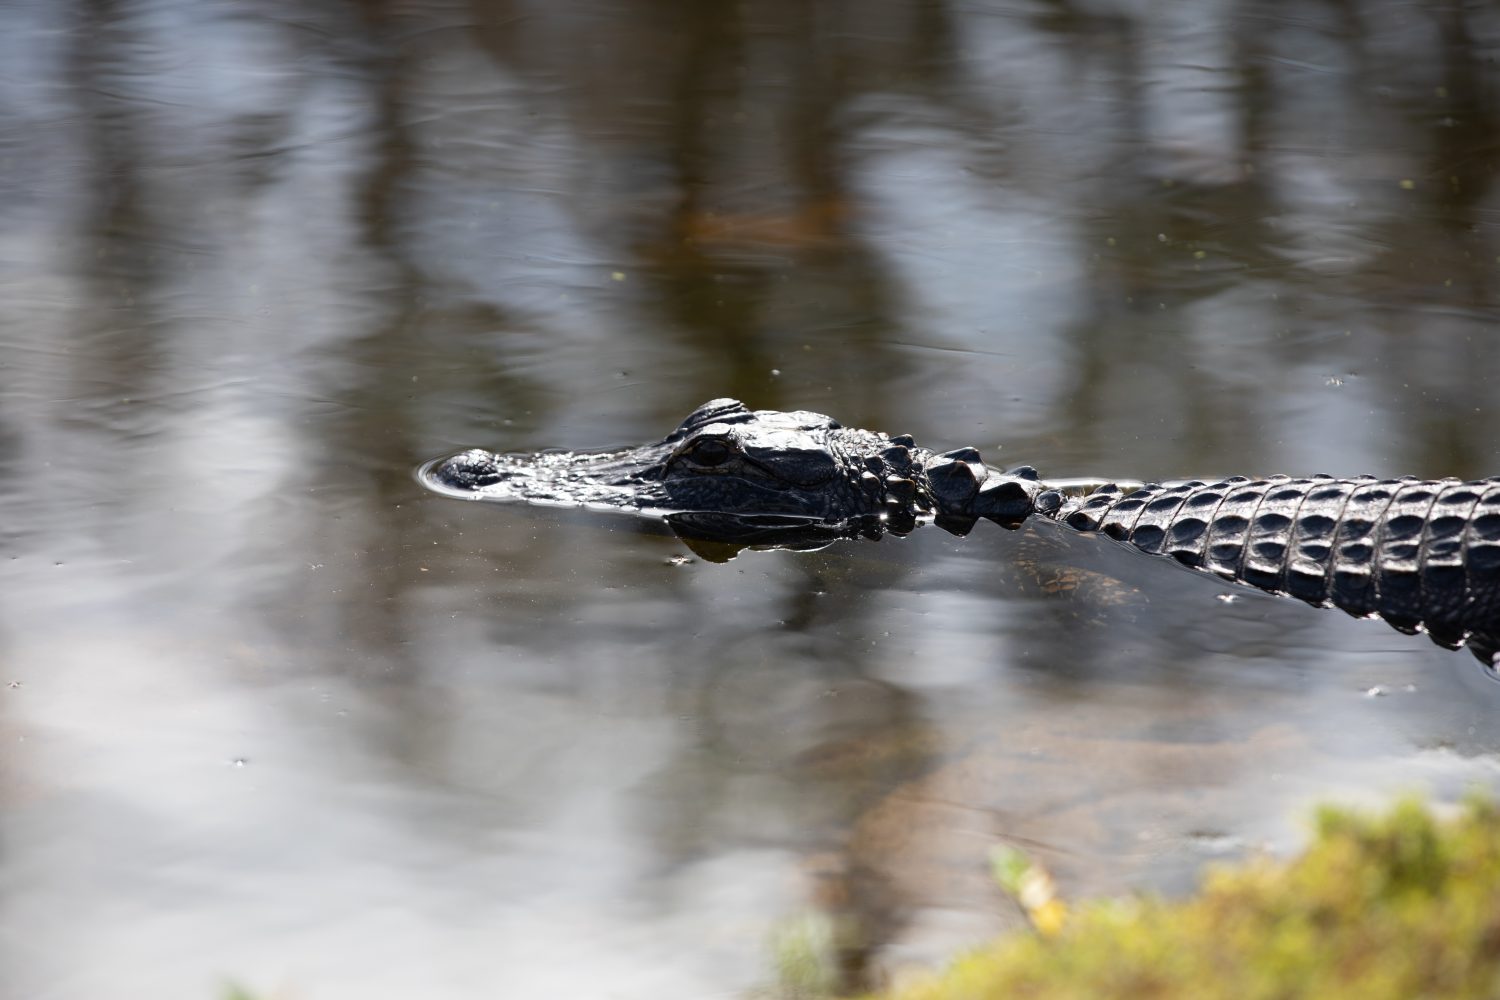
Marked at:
<point>470,470</point>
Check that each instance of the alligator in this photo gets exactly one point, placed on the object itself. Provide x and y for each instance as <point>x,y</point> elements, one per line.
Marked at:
<point>1423,555</point>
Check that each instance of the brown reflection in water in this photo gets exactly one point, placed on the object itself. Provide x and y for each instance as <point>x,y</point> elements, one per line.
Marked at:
<point>923,848</point>
<point>116,343</point>
<point>745,227</point>
<point>1457,265</point>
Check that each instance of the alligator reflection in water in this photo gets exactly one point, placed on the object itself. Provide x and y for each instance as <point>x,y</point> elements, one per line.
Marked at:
<point>1424,555</point>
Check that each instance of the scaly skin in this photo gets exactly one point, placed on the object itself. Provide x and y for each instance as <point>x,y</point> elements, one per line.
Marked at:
<point>1422,555</point>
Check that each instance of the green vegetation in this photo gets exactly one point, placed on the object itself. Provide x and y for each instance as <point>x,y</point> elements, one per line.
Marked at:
<point>805,950</point>
<point>1389,908</point>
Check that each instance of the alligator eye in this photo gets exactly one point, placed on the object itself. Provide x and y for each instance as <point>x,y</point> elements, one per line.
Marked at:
<point>709,452</point>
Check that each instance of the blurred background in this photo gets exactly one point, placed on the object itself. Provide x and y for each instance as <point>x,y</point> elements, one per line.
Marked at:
<point>273,716</point>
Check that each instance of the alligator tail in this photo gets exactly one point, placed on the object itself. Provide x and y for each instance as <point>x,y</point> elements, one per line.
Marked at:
<point>1423,555</point>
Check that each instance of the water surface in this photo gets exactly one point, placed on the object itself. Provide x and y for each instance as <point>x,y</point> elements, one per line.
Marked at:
<point>277,716</point>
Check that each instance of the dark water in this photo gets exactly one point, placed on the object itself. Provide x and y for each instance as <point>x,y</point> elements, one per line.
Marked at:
<point>276,716</point>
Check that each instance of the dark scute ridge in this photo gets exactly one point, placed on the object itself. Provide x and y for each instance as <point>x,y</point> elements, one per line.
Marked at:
<point>1148,529</point>
<point>1228,529</point>
<point>1269,537</point>
<point>716,411</point>
<point>953,482</point>
<point>1445,591</point>
<point>1354,547</point>
<point>1398,578</point>
<point>1482,567</point>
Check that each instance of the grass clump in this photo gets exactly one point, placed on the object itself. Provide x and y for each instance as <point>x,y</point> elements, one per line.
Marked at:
<point>1393,907</point>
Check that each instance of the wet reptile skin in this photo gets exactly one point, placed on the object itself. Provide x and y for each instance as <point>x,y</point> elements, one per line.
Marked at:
<point>1422,555</point>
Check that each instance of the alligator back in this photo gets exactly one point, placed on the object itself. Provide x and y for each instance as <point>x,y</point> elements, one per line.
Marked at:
<point>1422,554</point>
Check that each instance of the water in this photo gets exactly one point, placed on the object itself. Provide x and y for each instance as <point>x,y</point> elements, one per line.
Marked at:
<point>275,716</point>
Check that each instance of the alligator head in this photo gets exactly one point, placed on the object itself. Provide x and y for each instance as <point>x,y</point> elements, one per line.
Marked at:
<point>735,474</point>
